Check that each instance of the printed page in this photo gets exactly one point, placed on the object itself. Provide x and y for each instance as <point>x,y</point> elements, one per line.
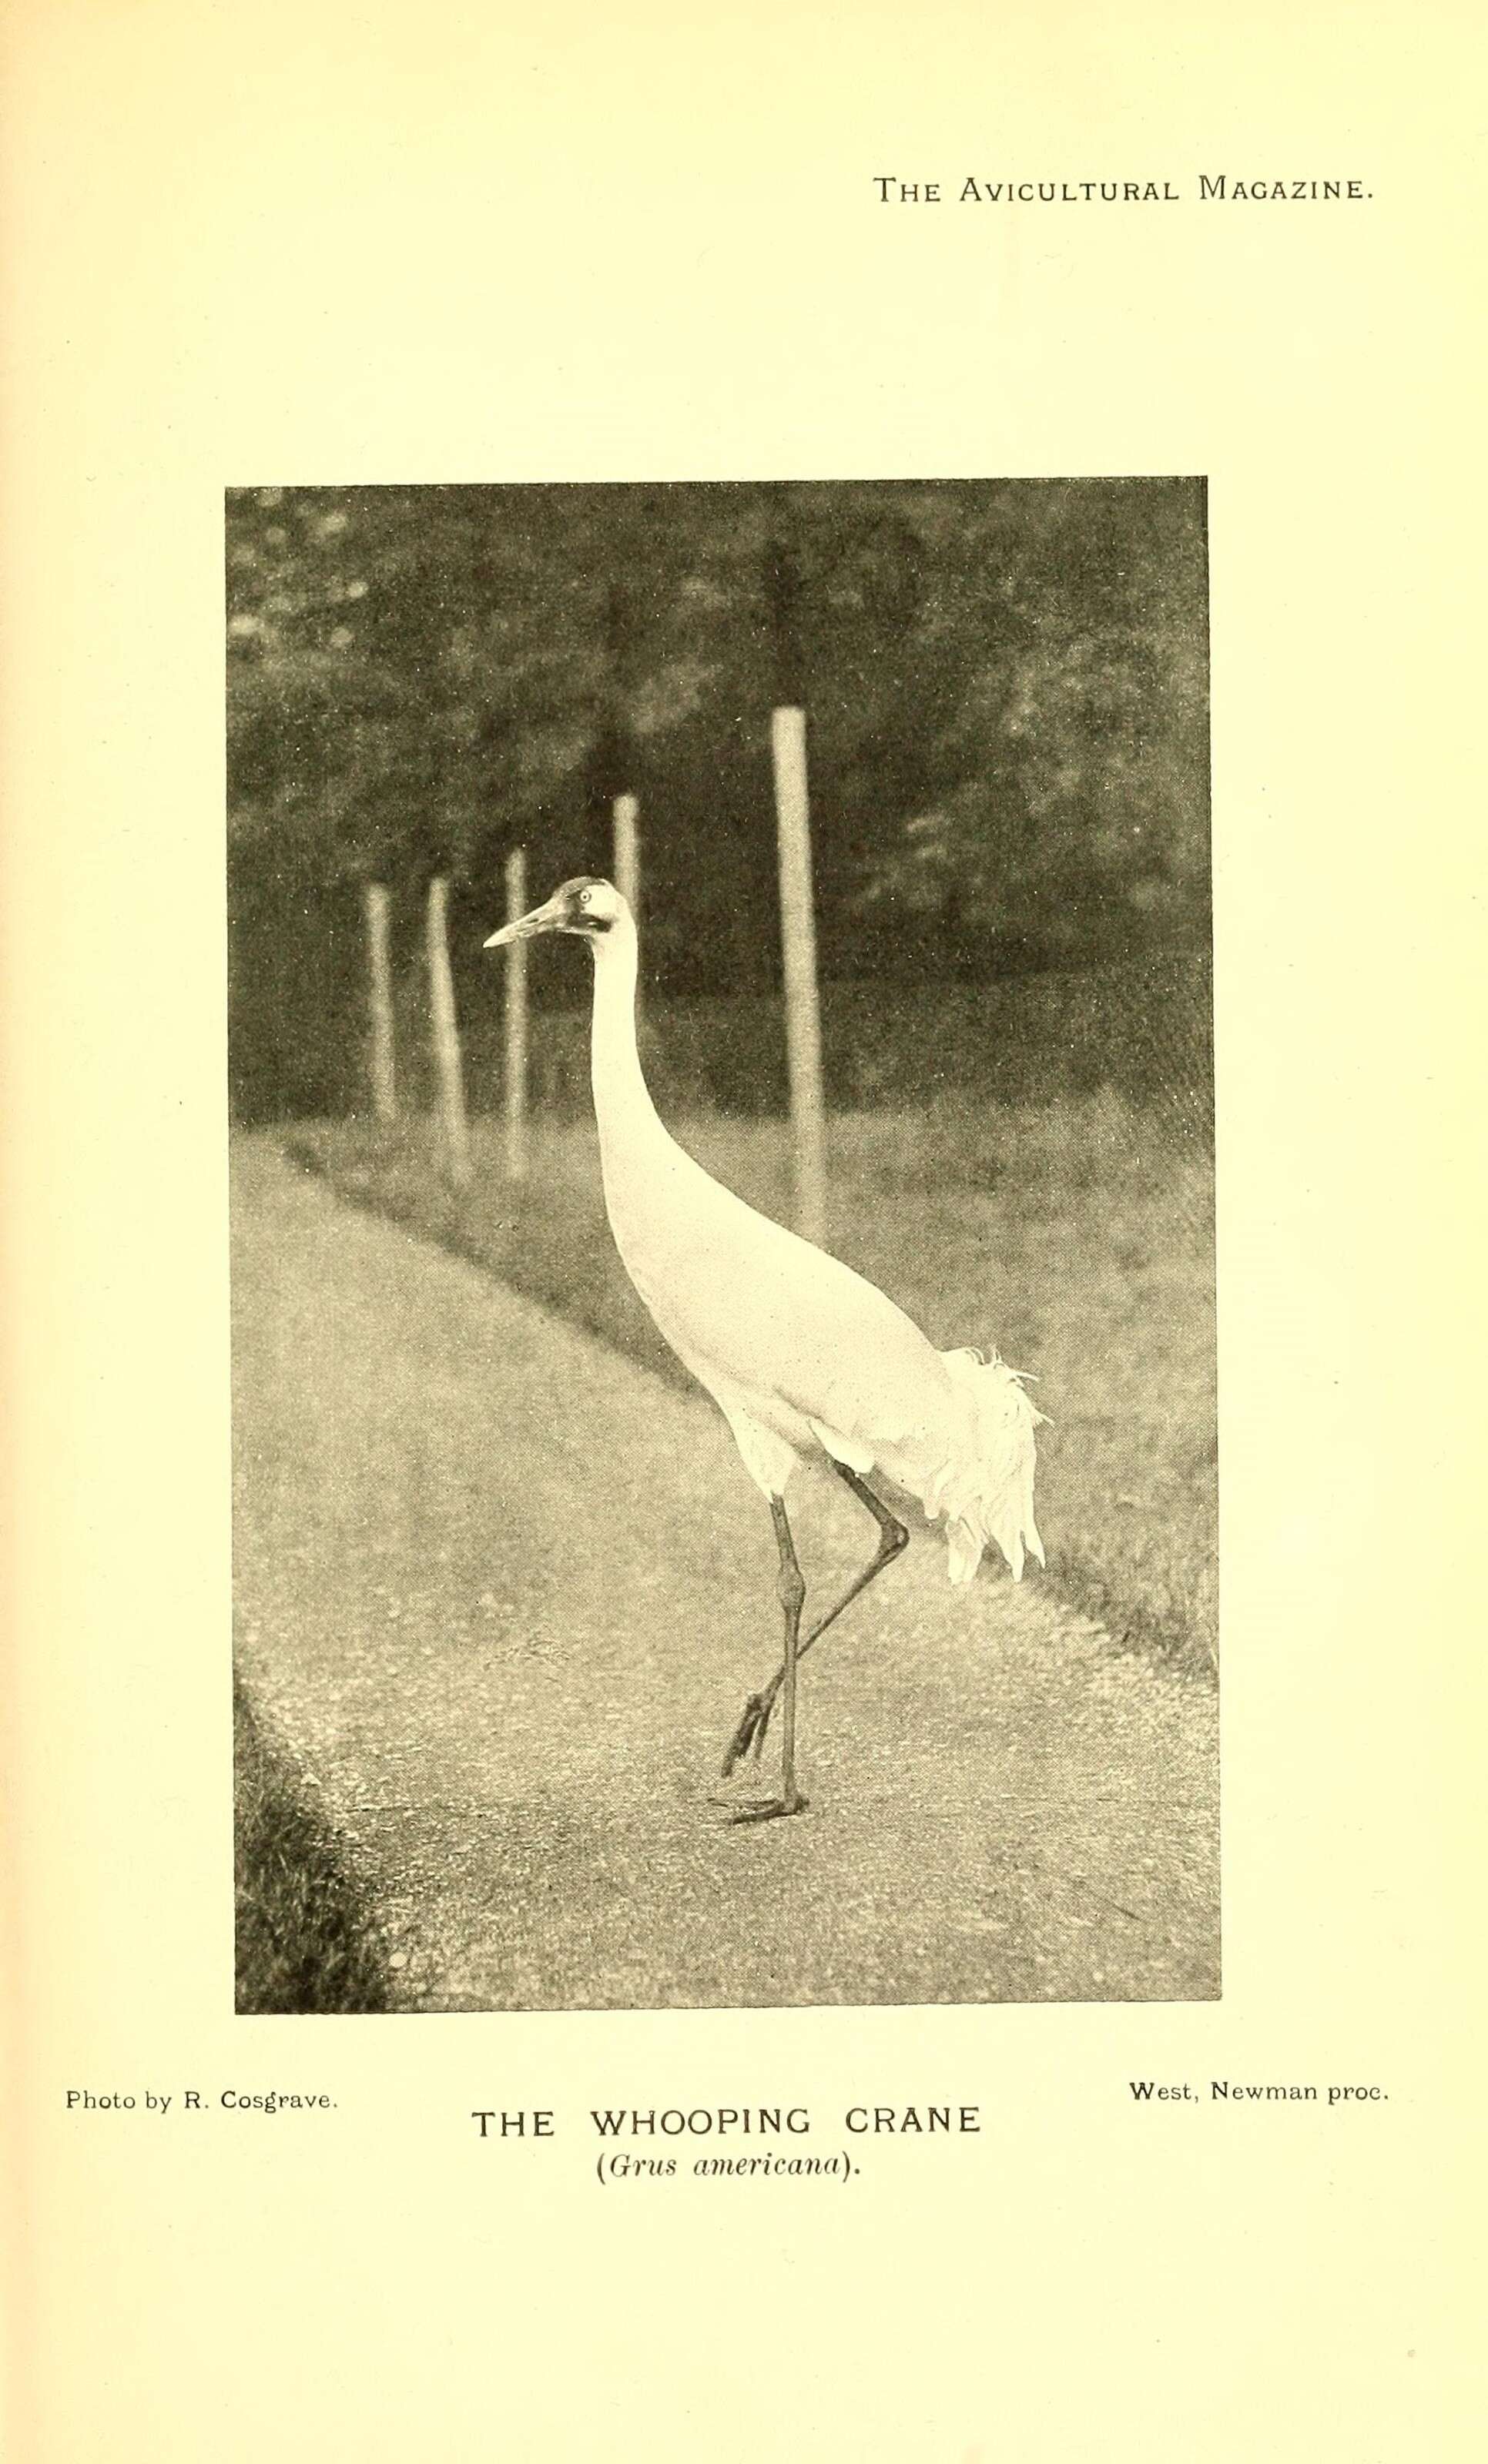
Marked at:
<point>742,945</point>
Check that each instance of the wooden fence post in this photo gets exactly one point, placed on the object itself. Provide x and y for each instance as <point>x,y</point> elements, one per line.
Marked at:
<point>516,1021</point>
<point>628,867</point>
<point>628,877</point>
<point>444,1023</point>
<point>376,905</point>
<point>798,942</point>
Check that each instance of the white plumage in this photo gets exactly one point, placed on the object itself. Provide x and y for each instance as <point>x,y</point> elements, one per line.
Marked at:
<point>805,1359</point>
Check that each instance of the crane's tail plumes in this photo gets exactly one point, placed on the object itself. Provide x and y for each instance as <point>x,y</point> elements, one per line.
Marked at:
<point>987,1493</point>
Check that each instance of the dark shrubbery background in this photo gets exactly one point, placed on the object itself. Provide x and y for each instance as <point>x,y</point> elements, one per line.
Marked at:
<point>1006,694</point>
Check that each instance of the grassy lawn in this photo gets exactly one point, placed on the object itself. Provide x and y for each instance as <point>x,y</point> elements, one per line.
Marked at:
<point>305,1942</point>
<point>1077,1235</point>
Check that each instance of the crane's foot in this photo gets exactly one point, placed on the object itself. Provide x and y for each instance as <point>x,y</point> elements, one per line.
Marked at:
<point>767,1809</point>
<point>754,1721</point>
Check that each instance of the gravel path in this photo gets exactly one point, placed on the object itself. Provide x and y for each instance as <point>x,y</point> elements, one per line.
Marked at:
<point>501,1594</point>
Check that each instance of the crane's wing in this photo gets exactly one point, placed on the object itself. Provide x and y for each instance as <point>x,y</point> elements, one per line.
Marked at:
<point>984,1490</point>
<point>961,1440</point>
<point>740,1297</point>
<point>792,1340</point>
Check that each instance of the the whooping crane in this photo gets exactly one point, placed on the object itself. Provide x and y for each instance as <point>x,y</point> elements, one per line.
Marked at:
<point>804,1359</point>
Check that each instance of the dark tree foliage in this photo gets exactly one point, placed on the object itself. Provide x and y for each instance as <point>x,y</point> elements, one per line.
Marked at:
<point>1006,683</point>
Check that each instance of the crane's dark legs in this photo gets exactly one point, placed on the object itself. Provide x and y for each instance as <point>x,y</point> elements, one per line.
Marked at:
<point>755,1719</point>
<point>793,1599</point>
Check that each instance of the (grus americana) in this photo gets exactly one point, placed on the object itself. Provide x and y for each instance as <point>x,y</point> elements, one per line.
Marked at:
<point>806,1359</point>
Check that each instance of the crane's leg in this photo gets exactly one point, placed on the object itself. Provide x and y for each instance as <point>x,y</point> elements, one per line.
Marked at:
<point>793,1599</point>
<point>892,1539</point>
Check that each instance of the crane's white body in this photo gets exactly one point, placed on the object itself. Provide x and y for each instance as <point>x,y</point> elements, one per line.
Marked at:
<point>804,1358</point>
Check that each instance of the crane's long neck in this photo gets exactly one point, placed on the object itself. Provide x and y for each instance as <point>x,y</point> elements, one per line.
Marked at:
<point>629,1124</point>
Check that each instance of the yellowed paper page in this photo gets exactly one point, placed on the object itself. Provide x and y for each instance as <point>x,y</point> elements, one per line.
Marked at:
<point>317,247</point>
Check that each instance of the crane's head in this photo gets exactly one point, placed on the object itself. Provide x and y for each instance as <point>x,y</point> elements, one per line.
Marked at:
<point>585,906</point>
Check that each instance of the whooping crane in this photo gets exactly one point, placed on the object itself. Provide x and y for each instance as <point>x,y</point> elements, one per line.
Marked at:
<point>805,1359</point>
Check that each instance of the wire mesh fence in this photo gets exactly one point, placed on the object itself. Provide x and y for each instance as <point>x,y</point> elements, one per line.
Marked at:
<point>1142,1030</point>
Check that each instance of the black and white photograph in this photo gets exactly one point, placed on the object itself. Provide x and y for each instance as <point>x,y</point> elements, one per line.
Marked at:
<point>722,1258</point>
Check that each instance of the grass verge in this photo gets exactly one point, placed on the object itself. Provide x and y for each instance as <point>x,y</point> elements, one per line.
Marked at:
<point>305,1939</point>
<point>1077,1235</point>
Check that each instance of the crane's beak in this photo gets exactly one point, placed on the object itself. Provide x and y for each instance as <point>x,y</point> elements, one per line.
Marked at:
<point>546,918</point>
